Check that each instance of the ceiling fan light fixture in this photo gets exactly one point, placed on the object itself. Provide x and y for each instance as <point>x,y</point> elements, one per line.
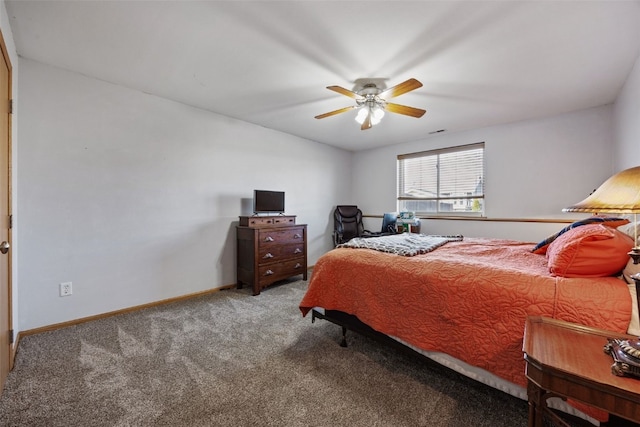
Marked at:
<point>377,115</point>
<point>362,115</point>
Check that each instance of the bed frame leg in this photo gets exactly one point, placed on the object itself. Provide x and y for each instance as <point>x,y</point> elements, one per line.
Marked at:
<point>343,343</point>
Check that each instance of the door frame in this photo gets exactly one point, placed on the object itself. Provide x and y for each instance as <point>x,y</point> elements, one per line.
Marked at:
<point>13,341</point>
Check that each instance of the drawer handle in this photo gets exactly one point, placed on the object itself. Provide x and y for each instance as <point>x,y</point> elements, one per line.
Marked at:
<point>268,273</point>
<point>298,265</point>
<point>267,255</point>
<point>297,251</point>
<point>297,236</point>
<point>268,239</point>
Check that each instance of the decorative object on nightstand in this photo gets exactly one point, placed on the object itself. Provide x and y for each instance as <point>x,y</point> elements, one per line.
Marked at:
<point>626,356</point>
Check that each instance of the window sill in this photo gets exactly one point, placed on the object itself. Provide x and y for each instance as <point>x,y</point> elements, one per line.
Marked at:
<point>483,218</point>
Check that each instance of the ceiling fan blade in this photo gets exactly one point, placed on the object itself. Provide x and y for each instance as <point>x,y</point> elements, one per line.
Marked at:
<point>403,87</point>
<point>333,113</point>
<point>403,109</point>
<point>367,122</point>
<point>346,92</point>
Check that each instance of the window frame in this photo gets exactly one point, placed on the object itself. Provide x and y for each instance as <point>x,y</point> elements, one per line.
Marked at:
<point>438,198</point>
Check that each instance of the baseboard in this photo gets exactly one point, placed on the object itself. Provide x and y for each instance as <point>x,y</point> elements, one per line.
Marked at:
<point>112,313</point>
<point>13,352</point>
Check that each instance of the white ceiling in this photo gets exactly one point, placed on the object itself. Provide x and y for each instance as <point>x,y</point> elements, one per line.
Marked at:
<point>268,62</point>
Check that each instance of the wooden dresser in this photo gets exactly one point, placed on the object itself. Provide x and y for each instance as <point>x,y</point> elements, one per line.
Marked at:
<point>270,248</point>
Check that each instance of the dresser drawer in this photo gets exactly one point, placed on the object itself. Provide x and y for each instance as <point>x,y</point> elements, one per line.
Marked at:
<point>274,272</point>
<point>280,236</point>
<point>266,221</point>
<point>273,253</point>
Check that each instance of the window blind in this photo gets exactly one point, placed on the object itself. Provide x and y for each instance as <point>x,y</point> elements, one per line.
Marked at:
<point>446,181</point>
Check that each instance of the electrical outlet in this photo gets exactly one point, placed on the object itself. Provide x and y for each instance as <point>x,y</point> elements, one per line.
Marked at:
<point>65,289</point>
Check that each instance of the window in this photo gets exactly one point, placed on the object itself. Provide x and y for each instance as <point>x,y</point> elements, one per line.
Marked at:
<point>442,182</point>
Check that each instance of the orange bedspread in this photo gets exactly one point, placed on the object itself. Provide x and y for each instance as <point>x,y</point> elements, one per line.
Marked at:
<point>468,299</point>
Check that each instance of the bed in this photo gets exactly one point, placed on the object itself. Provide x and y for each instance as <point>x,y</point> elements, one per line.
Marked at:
<point>464,302</point>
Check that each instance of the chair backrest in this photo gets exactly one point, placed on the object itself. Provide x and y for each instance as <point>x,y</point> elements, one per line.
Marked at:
<point>347,223</point>
<point>389,220</point>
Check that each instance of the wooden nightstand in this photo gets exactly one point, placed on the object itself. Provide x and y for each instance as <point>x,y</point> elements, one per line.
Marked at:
<point>567,360</point>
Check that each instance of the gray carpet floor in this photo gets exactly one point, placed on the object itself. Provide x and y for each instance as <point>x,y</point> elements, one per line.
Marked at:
<point>232,359</point>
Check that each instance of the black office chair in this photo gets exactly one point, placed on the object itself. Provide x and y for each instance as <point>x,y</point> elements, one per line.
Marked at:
<point>347,224</point>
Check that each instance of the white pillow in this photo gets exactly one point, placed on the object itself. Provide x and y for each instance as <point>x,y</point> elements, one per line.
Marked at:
<point>629,229</point>
<point>629,270</point>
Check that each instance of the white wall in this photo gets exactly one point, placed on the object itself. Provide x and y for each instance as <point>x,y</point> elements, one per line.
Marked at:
<point>627,122</point>
<point>134,198</point>
<point>13,56</point>
<point>533,169</point>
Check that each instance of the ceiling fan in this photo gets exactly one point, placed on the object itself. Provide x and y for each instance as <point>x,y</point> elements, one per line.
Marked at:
<point>372,102</point>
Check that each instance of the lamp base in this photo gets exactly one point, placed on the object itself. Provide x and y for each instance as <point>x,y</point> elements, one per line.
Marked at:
<point>635,255</point>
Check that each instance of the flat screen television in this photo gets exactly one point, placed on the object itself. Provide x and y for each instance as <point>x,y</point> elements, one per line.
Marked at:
<point>268,201</point>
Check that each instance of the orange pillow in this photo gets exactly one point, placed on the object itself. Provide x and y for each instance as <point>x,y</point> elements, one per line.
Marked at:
<point>592,250</point>
<point>541,248</point>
